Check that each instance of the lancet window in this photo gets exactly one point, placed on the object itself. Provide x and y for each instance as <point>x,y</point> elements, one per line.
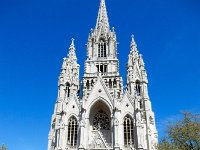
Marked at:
<point>101,121</point>
<point>88,84</point>
<point>102,48</point>
<point>128,131</point>
<point>102,68</point>
<point>110,83</point>
<point>92,82</point>
<point>138,88</point>
<point>68,89</point>
<point>141,105</point>
<point>115,83</point>
<point>72,132</point>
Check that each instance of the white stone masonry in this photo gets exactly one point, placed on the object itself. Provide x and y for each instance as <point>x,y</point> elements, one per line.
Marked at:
<point>101,115</point>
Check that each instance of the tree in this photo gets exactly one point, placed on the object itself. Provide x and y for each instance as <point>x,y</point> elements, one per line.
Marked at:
<point>182,135</point>
<point>3,147</point>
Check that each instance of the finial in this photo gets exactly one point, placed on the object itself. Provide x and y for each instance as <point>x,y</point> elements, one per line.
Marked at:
<point>113,29</point>
<point>132,36</point>
<point>72,47</point>
<point>91,31</point>
<point>72,41</point>
<point>72,54</point>
<point>133,44</point>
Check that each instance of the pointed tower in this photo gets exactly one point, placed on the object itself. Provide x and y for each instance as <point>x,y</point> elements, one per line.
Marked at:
<point>102,19</point>
<point>137,87</point>
<point>102,57</point>
<point>102,85</point>
<point>103,117</point>
<point>67,104</point>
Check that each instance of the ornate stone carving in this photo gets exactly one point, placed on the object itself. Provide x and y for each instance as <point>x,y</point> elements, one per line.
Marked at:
<point>101,121</point>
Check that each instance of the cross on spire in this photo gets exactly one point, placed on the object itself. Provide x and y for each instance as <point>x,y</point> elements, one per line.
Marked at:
<point>102,19</point>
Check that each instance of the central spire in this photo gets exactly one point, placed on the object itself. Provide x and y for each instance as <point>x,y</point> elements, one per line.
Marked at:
<point>102,19</point>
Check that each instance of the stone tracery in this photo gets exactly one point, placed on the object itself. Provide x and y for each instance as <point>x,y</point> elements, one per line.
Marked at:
<point>72,132</point>
<point>128,131</point>
<point>101,121</point>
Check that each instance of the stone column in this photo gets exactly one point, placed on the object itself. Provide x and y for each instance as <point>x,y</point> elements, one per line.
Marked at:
<point>139,130</point>
<point>61,138</point>
<point>82,126</point>
<point>65,139</point>
<point>82,134</point>
<point>58,138</point>
<point>116,125</point>
<point>132,90</point>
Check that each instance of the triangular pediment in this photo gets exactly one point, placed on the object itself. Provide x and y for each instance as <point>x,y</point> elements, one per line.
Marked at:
<point>99,91</point>
<point>127,100</point>
<point>73,103</point>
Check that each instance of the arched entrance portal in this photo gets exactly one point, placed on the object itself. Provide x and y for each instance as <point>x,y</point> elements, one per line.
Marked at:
<point>100,126</point>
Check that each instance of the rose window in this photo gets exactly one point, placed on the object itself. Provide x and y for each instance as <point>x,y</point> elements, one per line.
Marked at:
<point>101,121</point>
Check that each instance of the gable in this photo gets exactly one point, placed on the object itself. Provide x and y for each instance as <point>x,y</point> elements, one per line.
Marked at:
<point>126,105</point>
<point>99,92</point>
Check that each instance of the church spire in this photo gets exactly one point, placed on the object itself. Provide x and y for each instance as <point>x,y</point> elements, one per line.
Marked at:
<point>102,19</point>
<point>72,54</point>
<point>72,47</point>
<point>133,44</point>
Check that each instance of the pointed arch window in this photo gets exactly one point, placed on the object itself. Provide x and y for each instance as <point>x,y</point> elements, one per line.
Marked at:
<point>110,83</point>
<point>115,83</point>
<point>140,103</point>
<point>72,132</point>
<point>102,48</point>
<point>138,88</point>
<point>88,84</point>
<point>92,82</point>
<point>128,131</point>
<point>68,89</point>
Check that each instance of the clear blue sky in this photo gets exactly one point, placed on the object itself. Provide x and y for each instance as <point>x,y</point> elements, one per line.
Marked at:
<point>35,36</point>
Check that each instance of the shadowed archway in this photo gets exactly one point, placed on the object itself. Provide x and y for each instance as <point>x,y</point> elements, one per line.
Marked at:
<point>100,125</point>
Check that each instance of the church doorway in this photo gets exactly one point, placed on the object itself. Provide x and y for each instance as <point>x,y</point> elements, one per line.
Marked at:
<point>100,126</point>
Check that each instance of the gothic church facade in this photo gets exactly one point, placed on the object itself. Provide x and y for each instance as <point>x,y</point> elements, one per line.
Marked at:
<point>104,116</point>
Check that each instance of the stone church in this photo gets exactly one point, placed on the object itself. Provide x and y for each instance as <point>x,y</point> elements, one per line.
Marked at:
<point>98,113</point>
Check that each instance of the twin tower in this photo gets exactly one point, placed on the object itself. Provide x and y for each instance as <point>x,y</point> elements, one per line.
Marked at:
<point>104,116</point>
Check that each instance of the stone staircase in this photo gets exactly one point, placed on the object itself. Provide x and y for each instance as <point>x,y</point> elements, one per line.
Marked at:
<point>99,142</point>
